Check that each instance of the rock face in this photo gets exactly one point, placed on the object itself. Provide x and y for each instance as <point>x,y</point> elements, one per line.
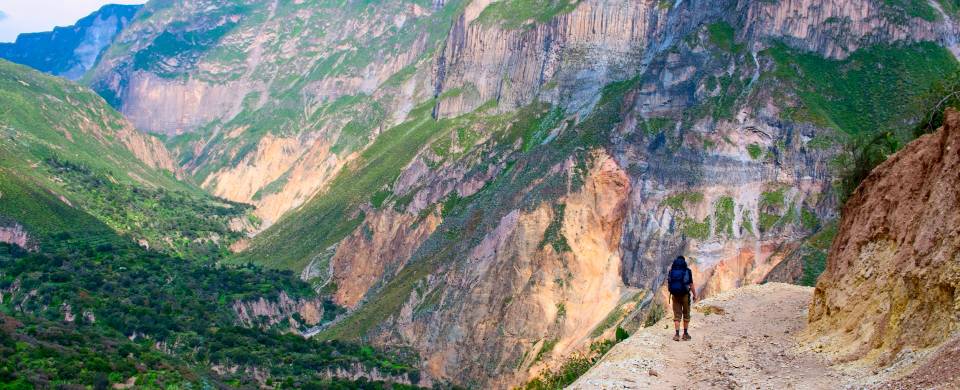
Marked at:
<point>269,312</point>
<point>892,277</point>
<point>15,234</point>
<point>70,51</point>
<point>497,186</point>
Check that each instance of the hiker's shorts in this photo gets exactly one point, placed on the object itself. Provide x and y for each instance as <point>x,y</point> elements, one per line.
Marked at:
<point>681,307</point>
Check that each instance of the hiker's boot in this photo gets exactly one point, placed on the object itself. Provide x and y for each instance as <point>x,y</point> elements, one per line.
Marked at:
<point>686,336</point>
<point>676,337</point>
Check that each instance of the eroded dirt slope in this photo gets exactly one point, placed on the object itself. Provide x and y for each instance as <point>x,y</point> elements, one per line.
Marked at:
<point>890,287</point>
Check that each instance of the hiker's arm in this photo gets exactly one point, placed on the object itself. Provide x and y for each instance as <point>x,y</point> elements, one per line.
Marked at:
<point>693,293</point>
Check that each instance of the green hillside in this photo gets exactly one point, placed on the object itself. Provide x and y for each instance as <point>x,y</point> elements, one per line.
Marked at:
<point>85,305</point>
<point>88,307</point>
<point>62,138</point>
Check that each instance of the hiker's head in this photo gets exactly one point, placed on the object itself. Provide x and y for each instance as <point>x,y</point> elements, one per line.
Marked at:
<point>680,262</point>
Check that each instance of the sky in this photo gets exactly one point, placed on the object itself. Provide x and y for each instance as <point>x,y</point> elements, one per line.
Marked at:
<point>19,16</point>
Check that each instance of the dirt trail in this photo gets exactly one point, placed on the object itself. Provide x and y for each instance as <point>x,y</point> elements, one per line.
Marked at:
<point>742,339</point>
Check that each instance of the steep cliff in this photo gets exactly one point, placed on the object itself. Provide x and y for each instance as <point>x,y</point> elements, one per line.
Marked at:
<point>466,176</point>
<point>70,51</point>
<point>889,291</point>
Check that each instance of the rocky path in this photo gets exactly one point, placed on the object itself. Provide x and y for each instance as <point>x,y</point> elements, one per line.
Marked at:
<point>742,339</point>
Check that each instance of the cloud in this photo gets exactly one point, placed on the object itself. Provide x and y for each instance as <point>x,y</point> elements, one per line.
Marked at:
<point>3,15</point>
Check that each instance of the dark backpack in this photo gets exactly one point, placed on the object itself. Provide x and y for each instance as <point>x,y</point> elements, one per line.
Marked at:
<point>679,281</point>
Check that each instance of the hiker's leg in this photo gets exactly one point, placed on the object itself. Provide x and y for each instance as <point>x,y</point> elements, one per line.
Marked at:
<point>677,315</point>
<point>686,325</point>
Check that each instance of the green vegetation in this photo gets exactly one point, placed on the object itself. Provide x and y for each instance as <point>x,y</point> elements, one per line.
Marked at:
<point>36,124</point>
<point>125,299</point>
<point>137,293</point>
<point>654,315</point>
<point>273,187</point>
<point>746,225</point>
<point>179,223</point>
<point>514,14</point>
<point>768,221</point>
<point>77,152</point>
<point>863,152</point>
<point>912,8</point>
<point>951,7</point>
<point>575,366</point>
<point>654,126</point>
<point>813,252</point>
<point>523,182</point>
<point>871,90</point>
<point>379,197</point>
<point>187,46</point>
<point>88,307</point>
<point>723,216</point>
<point>721,106</point>
<point>697,230</point>
<point>722,36</point>
<point>677,201</point>
<point>809,219</point>
<point>553,236</point>
<point>755,151</point>
<point>615,316</point>
<point>325,220</point>
<point>775,198</point>
<point>545,349</point>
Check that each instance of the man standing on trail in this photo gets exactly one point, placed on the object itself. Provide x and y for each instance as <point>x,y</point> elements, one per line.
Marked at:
<point>682,294</point>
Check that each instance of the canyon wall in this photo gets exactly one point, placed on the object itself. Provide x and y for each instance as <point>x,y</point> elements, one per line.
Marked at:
<point>890,287</point>
<point>496,192</point>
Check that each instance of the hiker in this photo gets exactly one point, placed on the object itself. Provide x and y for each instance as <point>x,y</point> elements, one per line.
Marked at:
<point>682,294</point>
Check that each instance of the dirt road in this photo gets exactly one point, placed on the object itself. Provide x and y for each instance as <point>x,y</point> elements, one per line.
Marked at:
<point>742,339</point>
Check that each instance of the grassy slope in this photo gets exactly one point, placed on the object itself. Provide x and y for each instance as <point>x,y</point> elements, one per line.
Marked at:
<point>513,14</point>
<point>874,89</point>
<point>61,138</point>
<point>43,116</point>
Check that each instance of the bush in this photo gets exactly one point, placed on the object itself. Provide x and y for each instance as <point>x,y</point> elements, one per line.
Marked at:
<point>622,334</point>
<point>858,159</point>
<point>654,315</point>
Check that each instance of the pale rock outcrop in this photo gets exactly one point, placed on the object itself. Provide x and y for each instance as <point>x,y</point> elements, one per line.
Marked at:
<point>380,246</point>
<point>264,313</point>
<point>148,149</point>
<point>17,235</point>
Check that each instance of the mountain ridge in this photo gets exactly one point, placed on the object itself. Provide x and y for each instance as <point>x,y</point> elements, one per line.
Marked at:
<point>72,50</point>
